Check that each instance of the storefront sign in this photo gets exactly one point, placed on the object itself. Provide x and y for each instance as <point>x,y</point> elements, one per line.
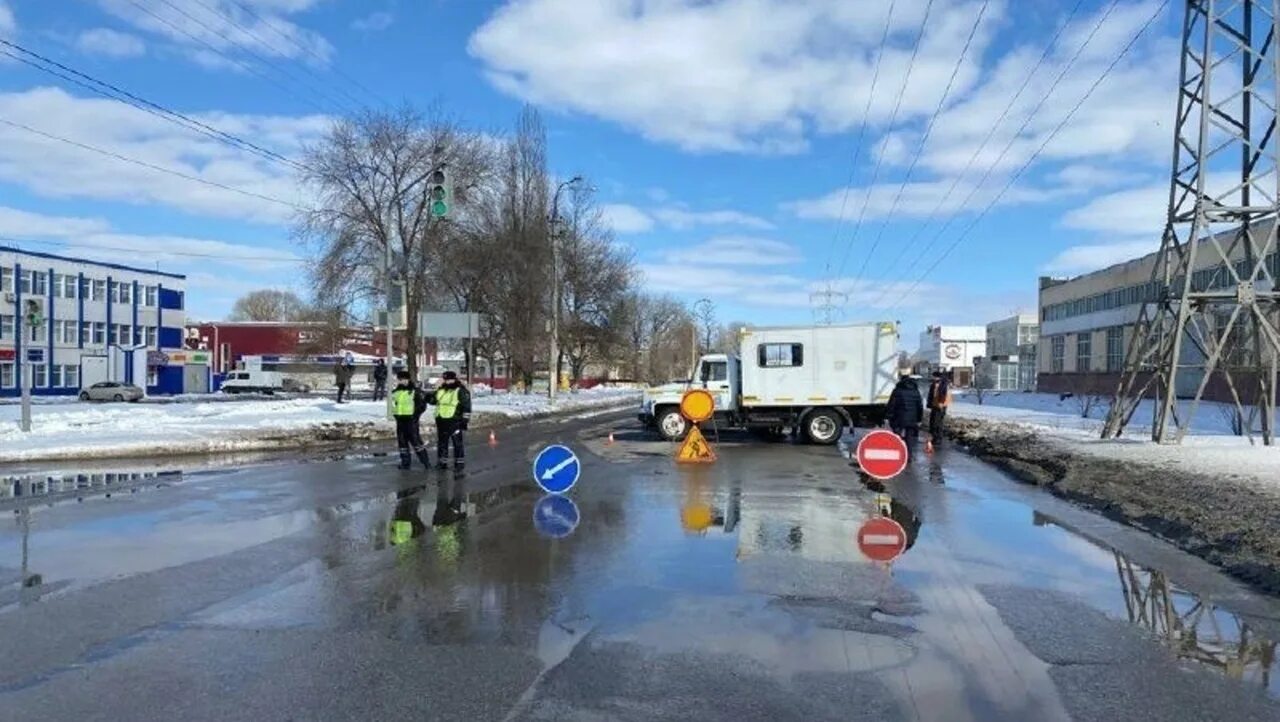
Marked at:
<point>7,354</point>
<point>157,358</point>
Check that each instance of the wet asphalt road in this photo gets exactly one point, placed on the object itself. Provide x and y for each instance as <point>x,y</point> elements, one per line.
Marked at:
<point>344,589</point>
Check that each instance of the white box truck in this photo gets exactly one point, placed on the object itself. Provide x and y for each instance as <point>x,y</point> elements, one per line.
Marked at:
<point>814,380</point>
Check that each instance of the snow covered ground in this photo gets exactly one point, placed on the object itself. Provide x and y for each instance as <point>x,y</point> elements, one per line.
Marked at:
<point>81,430</point>
<point>1210,447</point>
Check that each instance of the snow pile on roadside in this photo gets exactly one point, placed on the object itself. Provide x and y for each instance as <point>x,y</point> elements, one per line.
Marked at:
<point>93,430</point>
<point>1210,447</point>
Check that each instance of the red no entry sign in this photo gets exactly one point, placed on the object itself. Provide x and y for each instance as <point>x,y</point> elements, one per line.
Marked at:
<point>882,455</point>
<point>882,539</point>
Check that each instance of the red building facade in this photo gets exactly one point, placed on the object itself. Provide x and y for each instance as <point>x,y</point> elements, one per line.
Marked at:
<point>232,340</point>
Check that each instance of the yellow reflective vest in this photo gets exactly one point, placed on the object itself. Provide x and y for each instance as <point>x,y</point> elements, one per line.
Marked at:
<point>446,403</point>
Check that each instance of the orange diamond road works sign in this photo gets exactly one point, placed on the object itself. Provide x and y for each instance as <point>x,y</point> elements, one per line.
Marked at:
<point>695,449</point>
<point>697,405</point>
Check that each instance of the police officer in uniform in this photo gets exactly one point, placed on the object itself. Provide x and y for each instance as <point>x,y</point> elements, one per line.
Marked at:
<point>407,404</point>
<point>453,412</point>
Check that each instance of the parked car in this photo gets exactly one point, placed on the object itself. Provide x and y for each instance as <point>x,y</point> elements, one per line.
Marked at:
<point>112,391</point>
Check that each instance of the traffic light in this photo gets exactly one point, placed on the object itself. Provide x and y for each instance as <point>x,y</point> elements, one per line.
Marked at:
<point>439,193</point>
<point>34,313</point>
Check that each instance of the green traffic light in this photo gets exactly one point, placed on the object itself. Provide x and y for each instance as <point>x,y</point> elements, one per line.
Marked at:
<point>439,209</point>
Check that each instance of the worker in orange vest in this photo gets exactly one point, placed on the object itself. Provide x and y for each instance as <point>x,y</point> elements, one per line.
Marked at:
<point>939,400</point>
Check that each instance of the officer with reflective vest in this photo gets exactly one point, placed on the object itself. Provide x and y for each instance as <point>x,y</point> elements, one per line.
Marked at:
<point>407,404</point>
<point>453,411</point>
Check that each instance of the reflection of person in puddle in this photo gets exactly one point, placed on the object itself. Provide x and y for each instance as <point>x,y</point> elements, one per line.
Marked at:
<point>405,522</point>
<point>449,498</point>
<point>907,519</point>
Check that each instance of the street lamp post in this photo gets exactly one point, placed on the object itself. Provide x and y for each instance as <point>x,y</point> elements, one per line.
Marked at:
<point>553,375</point>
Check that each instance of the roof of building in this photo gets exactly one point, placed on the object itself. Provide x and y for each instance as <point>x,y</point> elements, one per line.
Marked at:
<point>90,262</point>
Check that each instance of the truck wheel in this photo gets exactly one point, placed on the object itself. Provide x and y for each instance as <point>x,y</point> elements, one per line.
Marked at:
<point>671,424</point>
<point>823,427</point>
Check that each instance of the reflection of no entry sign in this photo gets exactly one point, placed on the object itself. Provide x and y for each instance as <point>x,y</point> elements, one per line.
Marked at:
<point>882,454</point>
<point>556,469</point>
<point>882,539</point>
<point>555,516</point>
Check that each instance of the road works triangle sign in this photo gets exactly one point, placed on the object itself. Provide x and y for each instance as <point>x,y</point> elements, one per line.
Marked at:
<point>695,449</point>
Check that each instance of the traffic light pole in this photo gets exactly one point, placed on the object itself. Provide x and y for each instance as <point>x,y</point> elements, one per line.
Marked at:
<point>25,423</point>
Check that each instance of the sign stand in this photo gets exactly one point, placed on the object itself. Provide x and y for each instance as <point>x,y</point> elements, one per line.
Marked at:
<point>697,405</point>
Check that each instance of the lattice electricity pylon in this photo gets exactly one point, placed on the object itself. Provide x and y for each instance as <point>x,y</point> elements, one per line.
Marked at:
<point>828,305</point>
<point>1209,314</point>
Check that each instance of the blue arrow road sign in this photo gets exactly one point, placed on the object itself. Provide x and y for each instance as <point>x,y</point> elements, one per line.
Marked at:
<point>555,516</point>
<point>556,469</point>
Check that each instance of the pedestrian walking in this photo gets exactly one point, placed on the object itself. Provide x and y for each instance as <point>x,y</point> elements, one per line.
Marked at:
<point>905,411</point>
<point>342,373</point>
<point>407,404</point>
<point>379,380</point>
<point>453,412</point>
<point>939,401</point>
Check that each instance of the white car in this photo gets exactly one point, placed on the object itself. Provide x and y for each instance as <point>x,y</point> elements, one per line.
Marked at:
<point>112,391</point>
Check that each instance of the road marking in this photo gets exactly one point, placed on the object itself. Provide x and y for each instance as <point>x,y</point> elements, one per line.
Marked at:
<point>882,454</point>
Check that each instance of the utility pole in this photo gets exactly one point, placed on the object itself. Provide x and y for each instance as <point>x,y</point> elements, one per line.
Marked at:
<point>32,318</point>
<point>553,362</point>
<point>1210,311</point>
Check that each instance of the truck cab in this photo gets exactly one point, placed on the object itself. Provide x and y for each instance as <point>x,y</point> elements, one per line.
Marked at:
<point>719,373</point>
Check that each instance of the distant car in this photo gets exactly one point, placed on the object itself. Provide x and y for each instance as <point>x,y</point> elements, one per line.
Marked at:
<point>112,391</point>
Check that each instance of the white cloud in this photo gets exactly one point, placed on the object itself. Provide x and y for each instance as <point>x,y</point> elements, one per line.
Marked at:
<point>21,224</point>
<point>1082,259</point>
<point>54,169</point>
<point>917,200</point>
<point>681,219</point>
<point>374,22</point>
<point>8,24</point>
<point>750,75</point>
<point>736,251</point>
<point>625,218</point>
<point>110,43</point>
<point>189,25</point>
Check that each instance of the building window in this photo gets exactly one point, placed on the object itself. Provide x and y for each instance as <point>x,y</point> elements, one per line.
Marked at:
<point>151,376</point>
<point>6,280</point>
<point>1115,349</point>
<point>64,332</point>
<point>57,285</point>
<point>6,327</point>
<point>149,296</point>
<point>1084,352</point>
<point>7,378</point>
<point>124,292</point>
<point>99,333</point>
<point>39,283</point>
<point>55,375</point>
<point>1058,355</point>
<point>69,284</point>
<point>780,355</point>
<point>39,376</point>
<point>98,289</point>
<point>149,335</point>
<point>71,376</point>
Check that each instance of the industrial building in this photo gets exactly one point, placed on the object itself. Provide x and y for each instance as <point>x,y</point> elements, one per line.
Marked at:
<point>1010,363</point>
<point>1086,322</point>
<point>98,322</point>
<point>951,349</point>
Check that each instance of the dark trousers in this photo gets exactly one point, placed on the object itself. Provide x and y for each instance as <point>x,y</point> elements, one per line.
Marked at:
<point>409,439</point>
<point>909,434</point>
<point>937,421</point>
<point>379,390</point>
<point>449,431</point>
<point>342,389</point>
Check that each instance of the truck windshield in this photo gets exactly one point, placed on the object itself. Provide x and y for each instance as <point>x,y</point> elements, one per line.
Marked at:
<point>715,371</point>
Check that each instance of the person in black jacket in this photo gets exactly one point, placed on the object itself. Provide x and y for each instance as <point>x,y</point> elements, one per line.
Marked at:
<point>906,409</point>
<point>379,380</point>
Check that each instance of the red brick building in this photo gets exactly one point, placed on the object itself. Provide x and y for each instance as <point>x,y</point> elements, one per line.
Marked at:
<point>232,340</point>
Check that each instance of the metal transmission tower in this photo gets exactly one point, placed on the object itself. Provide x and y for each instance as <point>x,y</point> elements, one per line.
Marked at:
<point>1209,315</point>
<point>828,305</point>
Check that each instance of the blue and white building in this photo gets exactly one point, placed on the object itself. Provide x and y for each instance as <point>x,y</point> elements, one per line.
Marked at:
<point>102,322</point>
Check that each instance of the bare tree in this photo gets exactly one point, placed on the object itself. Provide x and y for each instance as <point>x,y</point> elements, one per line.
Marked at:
<point>369,174</point>
<point>1088,392</point>
<point>704,312</point>
<point>268,304</point>
<point>727,336</point>
<point>658,335</point>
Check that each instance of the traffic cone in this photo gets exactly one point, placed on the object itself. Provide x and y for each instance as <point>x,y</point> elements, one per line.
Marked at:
<point>493,438</point>
<point>610,438</point>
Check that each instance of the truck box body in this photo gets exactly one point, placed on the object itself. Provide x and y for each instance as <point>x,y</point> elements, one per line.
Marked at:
<point>818,365</point>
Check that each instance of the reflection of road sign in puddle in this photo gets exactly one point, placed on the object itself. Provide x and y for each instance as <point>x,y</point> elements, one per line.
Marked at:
<point>695,449</point>
<point>556,469</point>
<point>555,516</point>
<point>882,539</point>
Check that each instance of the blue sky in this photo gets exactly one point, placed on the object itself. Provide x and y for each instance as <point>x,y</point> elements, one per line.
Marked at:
<point>721,135</point>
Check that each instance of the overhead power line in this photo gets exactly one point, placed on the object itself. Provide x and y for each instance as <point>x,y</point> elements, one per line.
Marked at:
<point>226,16</point>
<point>121,249</point>
<point>151,166</point>
<point>991,132</point>
<point>862,133</point>
<point>310,51</point>
<point>893,118</point>
<point>1057,129</point>
<point>226,56</point>
<point>924,139</point>
<point>113,92</point>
